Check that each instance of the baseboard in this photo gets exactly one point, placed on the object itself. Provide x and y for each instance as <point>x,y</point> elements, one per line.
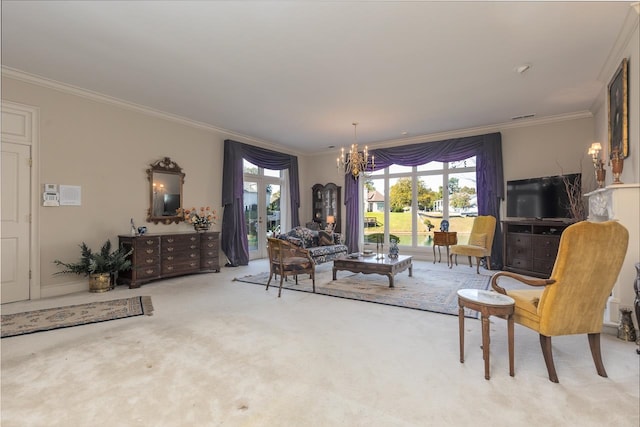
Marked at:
<point>64,288</point>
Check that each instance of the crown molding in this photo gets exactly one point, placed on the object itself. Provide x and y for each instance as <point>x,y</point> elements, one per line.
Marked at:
<point>461,133</point>
<point>622,41</point>
<point>106,99</point>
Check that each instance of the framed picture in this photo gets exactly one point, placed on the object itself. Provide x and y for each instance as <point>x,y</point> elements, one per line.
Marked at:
<point>618,111</point>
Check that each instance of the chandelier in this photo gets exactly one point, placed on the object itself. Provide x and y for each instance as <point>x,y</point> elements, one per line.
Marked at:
<point>355,161</point>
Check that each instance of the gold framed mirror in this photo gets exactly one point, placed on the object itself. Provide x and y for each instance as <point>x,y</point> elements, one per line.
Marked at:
<point>165,191</point>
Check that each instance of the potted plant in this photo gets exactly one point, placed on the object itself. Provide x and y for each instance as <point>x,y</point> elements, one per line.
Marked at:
<point>101,267</point>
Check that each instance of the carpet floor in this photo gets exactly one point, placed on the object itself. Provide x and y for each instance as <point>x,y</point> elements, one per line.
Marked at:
<point>429,289</point>
<point>29,322</point>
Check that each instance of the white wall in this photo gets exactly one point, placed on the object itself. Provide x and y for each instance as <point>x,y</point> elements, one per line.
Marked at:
<point>106,149</point>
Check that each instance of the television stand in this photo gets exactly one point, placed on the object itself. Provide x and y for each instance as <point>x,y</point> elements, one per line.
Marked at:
<point>531,246</point>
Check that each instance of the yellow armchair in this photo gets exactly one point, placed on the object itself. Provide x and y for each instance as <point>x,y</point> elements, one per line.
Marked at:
<point>572,300</point>
<point>480,242</point>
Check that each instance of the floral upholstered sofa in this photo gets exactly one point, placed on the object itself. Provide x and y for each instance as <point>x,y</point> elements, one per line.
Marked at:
<point>323,246</point>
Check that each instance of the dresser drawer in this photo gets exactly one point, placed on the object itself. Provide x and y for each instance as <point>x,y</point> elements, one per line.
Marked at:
<point>180,256</point>
<point>521,263</point>
<point>188,266</point>
<point>546,247</point>
<point>147,272</point>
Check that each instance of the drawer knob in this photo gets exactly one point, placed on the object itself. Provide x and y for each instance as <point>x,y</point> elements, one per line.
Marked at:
<point>150,260</point>
<point>170,240</point>
<point>170,258</point>
<point>150,242</point>
<point>170,249</point>
<point>150,251</point>
<point>149,271</point>
<point>193,239</point>
<point>193,264</point>
<point>193,246</point>
<point>170,267</point>
<point>193,255</point>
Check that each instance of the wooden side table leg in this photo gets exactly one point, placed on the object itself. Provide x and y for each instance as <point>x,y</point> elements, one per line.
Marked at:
<point>485,344</point>
<point>434,253</point>
<point>510,339</point>
<point>461,329</point>
<point>448,255</point>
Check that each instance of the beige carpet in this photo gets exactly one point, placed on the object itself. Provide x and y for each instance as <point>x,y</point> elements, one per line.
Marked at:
<point>219,353</point>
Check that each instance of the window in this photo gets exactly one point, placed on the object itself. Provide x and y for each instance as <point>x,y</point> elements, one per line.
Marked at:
<point>409,203</point>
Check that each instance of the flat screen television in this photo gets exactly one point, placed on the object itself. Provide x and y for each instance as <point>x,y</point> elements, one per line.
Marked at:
<point>540,198</point>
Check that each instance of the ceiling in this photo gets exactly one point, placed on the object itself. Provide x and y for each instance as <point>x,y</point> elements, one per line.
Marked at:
<point>298,74</point>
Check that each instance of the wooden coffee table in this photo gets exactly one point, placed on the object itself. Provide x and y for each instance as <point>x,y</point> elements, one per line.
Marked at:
<point>371,265</point>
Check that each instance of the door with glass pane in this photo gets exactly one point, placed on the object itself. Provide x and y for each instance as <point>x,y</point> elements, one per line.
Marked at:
<point>262,191</point>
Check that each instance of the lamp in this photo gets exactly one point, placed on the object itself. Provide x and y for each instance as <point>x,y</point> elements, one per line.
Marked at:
<point>598,164</point>
<point>355,161</point>
<point>331,220</point>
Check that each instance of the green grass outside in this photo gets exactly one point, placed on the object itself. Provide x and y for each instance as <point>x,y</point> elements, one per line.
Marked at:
<point>400,225</point>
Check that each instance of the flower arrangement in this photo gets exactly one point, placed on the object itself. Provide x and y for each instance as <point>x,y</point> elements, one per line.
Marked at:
<point>200,218</point>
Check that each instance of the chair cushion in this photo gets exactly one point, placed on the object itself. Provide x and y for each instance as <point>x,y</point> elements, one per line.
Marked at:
<point>297,264</point>
<point>478,239</point>
<point>469,250</point>
<point>526,311</point>
<point>325,238</point>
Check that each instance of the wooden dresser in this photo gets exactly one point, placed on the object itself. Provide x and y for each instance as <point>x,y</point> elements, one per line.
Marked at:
<point>158,256</point>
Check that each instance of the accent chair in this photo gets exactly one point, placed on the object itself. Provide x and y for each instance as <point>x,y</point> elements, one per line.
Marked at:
<point>573,299</point>
<point>480,242</point>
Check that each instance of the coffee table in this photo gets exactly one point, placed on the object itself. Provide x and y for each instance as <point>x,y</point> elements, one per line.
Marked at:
<point>487,303</point>
<point>372,265</point>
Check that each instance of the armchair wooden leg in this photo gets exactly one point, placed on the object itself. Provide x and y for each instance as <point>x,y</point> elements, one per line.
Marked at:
<point>545,343</point>
<point>470,264</point>
<point>280,289</point>
<point>594,344</point>
<point>477,265</point>
<point>269,281</point>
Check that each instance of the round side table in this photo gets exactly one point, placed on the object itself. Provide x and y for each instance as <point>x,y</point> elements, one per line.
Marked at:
<point>488,304</point>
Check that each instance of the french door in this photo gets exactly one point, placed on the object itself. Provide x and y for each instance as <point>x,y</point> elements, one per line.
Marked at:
<point>262,209</point>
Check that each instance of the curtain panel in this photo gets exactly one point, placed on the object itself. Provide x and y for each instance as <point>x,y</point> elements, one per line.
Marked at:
<point>489,174</point>
<point>234,229</point>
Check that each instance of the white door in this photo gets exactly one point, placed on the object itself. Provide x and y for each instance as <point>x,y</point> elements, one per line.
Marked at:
<point>16,211</point>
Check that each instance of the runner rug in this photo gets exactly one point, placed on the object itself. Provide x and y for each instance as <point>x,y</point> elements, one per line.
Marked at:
<point>74,315</point>
<point>428,290</point>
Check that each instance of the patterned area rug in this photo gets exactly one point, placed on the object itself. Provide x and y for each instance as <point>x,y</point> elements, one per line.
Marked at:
<point>429,289</point>
<point>73,315</point>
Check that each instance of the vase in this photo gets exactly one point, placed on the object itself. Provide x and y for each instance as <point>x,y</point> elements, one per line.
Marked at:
<point>617,164</point>
<point>100,282</point>
<point>201,228</point>
<point>601,174</point>
<point>393,249</point>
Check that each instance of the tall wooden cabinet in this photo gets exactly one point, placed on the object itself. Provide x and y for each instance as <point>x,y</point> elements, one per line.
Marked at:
<point>158,256</point>
<point>531,247</point>
<point>326,201</point>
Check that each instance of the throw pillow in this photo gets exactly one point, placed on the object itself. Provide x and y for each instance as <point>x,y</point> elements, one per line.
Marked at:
<point>325,238</point>
<point>478,239</point>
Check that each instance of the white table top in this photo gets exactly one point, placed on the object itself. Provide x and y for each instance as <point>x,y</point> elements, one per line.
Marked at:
<point>485,297</point>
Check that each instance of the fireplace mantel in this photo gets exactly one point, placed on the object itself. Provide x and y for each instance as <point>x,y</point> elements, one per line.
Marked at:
<point>620,203</point>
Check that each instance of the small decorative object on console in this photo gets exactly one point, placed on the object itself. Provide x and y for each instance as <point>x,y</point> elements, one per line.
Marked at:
<point>617,163</point>
<point>444,225</point>
<point>393,249</point>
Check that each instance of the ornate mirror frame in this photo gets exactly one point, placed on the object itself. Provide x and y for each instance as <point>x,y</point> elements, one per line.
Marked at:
<point>165,191</point>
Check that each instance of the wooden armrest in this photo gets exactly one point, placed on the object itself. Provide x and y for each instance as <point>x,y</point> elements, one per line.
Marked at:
<point>519,278</point>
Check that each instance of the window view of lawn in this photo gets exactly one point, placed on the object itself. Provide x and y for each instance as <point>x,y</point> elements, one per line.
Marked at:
<point>400,226</point>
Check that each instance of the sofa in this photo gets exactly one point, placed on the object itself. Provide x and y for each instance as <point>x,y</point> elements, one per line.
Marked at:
<point>323,246</point>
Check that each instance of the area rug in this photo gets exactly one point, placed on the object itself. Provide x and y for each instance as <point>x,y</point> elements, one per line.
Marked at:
<point>74,315</point>
<point>429,289</point>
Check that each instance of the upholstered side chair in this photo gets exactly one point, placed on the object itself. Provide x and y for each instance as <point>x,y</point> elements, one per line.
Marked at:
<point>287,259</point>
<point>480,242</point>
<point>572,300</point>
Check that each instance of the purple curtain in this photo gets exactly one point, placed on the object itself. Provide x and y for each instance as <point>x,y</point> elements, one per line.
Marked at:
<point>234,229</point>
<point>490,180</point>
<point>353,212</point>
